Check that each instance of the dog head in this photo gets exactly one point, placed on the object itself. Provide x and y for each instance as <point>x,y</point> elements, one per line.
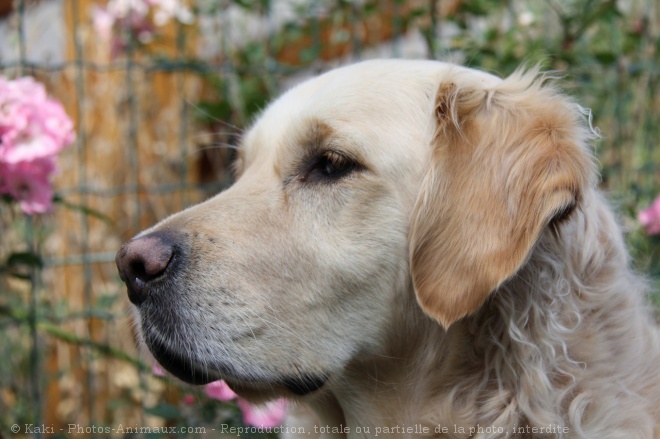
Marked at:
<point>357,192</point>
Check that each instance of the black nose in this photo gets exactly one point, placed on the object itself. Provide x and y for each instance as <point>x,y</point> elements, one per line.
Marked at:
<point>141,260</point>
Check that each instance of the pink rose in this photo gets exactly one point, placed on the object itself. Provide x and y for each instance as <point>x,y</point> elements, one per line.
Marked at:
<point>32,126</point>
<point>158,370</point>
<point>33,130</point>
<point>649,218</point>
<point>122,21</point>
<point>267,415</point>
<point>103,22</point>
<point>219,390</point>
<point>28,183</point>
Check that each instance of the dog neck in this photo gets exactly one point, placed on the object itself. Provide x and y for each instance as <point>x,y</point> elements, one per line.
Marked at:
<point>521,360</point>
<point>376,393</point>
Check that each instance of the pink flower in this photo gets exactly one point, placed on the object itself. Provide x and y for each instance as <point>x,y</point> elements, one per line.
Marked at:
<point>33,130</point>
<point>124,21</point>
<point>103,22</point>
<point>267,415</point>
<point>28,182</point>
<point>165,10</point>
<point>125,8</point>
<point>32,126</point>
<point>649,218</point>
<point>158,370</point>
<point>219,390</point>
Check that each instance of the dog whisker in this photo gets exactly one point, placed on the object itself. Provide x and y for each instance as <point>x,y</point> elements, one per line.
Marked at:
<point>198,109</point>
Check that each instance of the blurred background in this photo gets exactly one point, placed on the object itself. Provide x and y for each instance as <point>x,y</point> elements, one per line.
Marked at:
<point>159,90</point>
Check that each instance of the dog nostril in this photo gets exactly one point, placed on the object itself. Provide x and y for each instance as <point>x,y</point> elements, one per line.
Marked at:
<point>142,260</point>
<point>149,263</point>
<point>138,270</point>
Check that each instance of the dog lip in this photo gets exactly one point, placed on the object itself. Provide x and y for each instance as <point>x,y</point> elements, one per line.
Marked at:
<point>177,365</point>
<point>303,385</point>
<point>186,371</point>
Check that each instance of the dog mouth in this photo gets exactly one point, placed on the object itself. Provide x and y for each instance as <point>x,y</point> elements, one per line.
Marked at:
<point>186,369</point>
<point>181,367</point>
<point>302,386</point>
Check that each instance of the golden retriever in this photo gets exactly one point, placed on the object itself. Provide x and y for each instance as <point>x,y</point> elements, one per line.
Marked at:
<point>411,249</point>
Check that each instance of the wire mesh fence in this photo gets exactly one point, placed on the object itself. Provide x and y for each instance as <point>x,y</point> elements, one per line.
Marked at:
<point>154,116</point>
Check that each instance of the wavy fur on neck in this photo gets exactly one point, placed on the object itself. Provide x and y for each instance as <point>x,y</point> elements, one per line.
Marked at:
<point>568,343</point>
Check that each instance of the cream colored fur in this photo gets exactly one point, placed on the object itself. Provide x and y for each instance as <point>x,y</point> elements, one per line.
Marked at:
<point>467,275</point>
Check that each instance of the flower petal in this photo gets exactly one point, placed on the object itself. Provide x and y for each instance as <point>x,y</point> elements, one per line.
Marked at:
<point>219,390</point>
<point>270,414</point>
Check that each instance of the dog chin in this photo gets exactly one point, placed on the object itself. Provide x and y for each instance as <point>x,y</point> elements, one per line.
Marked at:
<point>182,367</point>
<point>259,391</point>
<point>188,371</point>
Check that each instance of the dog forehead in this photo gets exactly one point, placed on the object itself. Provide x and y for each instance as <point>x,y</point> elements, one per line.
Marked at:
<point>363,91</point>
<point>373,100</point>
<point>359,99</point>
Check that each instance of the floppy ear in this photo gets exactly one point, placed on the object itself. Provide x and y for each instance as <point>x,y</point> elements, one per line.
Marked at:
<point>507,161</point>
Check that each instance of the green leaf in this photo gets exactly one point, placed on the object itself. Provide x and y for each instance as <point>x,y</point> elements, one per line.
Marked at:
<point>606,57</point>
<point>82,209</point>
<point>308,55</point>
<point>211,112</point>
<point>24,259</point>
<point>106,301</point>
<point>164,410</point>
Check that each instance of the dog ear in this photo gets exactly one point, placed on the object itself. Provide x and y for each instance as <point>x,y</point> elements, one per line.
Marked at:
<point>507,162</point>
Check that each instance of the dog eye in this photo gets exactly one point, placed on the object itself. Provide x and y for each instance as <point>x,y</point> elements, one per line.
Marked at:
<point>330,166</point>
